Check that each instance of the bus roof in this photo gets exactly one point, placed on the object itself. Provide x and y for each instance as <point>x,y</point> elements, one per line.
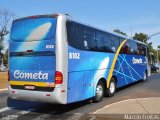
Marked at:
<point>70,18</point>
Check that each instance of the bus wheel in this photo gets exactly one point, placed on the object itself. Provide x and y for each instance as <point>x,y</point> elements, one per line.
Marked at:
<point>145,77</point>
<point>157,70</point>
<point>112,88</point>
<point>99,92</point>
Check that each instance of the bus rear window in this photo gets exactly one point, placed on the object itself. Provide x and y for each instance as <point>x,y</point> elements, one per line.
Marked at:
<point>36,29</point>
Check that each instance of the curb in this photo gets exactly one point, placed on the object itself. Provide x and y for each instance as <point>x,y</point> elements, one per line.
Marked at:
<point>137,100</point>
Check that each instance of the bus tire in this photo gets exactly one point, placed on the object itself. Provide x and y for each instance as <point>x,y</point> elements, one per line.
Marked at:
<point>157,70</point>
<point>112,88</point>
<point>145,77</point>
<point>99,93</point>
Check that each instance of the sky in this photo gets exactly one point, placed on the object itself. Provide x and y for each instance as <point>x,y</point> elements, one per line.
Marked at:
<point>129,16</point>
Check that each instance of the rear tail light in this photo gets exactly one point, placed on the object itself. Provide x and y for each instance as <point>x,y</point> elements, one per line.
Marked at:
<point>29,50</point>
<point>58,77</point>
<point>8,75</point>
<point>48,95</point>
<point>13,92</point>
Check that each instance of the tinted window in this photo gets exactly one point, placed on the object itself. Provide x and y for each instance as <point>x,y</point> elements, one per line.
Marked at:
<point>114,43</point>
<point>140,50</point>
<point>121,39</point>
<point>125,48</point>
<point>144,49</point>
<point>90,40</point>
<point>133,47</point>
<point>103,41</point>
<point>87,38</point>
<point>75,34</point>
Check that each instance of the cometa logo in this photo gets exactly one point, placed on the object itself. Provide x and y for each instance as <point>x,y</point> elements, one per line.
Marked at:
<point>22,75</point>
<point>136,61</point>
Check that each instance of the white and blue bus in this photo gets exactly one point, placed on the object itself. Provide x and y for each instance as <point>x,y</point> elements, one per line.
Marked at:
<point>58,60</point>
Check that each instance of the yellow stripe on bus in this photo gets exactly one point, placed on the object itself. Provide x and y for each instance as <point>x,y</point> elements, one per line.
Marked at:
<point>114,62</point>
<point>39,84</point>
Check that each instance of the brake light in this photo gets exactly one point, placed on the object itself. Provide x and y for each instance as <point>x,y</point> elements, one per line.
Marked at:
<point>8,75</point>
<point>58,77</point>
<point>13,92</point>
<point>29,50</point>
<point>48,95</point>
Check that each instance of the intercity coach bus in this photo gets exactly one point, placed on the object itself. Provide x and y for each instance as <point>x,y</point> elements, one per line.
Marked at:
<point>53,58</point>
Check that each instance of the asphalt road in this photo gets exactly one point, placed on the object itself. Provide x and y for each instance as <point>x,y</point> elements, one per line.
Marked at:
<point>23,110</point>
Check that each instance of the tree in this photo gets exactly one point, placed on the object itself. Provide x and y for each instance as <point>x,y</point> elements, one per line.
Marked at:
<point>141,37</point>
<point>5,18</point>
<point>120,32</point>
<point>5,57</point>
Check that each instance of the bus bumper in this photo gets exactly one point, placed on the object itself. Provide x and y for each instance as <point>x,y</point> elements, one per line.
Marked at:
<point>49,97</point>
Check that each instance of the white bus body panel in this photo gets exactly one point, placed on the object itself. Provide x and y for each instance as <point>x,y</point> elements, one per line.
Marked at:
<point>57,96</point>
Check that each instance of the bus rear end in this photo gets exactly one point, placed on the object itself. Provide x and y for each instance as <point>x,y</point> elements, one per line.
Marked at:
<point>33,74</point>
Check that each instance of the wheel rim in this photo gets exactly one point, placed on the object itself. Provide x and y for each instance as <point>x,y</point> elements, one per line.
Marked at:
<point>112,87</point>
<point>99,91</point>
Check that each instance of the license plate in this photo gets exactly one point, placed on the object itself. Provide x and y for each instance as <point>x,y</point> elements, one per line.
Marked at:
<point>29,87</point>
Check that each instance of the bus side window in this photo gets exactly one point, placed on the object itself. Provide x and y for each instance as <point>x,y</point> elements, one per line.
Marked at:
<point>107,41</point>
<point>89,37</point>
<point>125,48</point>
<point>144,49</point>
<point>75,35</point>
<point>114,43</point>
<point>133,47</point>
<point>120,41</point>
<point>140,49</point>
<point>103,40</point>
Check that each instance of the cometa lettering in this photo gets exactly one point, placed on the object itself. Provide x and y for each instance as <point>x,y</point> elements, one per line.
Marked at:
<point>136,61</point>
<point>22,75</point>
